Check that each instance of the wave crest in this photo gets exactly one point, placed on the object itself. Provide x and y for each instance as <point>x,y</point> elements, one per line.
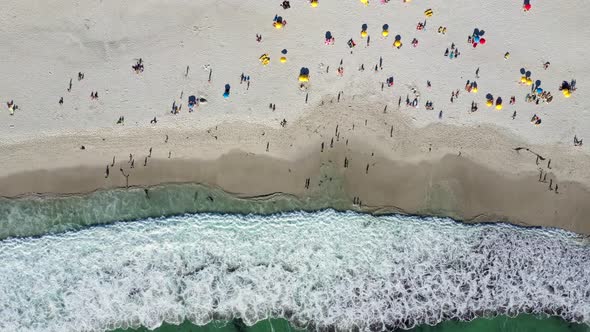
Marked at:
<point>316,269</point>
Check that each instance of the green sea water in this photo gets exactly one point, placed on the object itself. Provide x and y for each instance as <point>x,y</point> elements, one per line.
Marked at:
<point>39,216</point>
<point>521,323</point>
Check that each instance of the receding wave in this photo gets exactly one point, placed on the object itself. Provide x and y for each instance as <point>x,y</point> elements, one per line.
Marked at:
<point>323,269</point>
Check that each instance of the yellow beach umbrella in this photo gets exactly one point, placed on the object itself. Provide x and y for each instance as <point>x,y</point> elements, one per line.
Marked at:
<point>264,59</point>
<point>278,25</point>
<point>303,78</point>
<point>489,103</point>
<point>523,79</point>
<point>314,3</point>
<point>529,81</point>
<point>498,106</point>
<point>397,43</point>
<point>283,59</point>
<point>474,90</point>
<point>566,93</point>
<point>364,33</point>
<point>365,2</point>
<point>385,33</point>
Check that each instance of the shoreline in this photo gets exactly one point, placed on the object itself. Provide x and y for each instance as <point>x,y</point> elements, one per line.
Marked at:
<point>473,174</point>
<point>447,186</point>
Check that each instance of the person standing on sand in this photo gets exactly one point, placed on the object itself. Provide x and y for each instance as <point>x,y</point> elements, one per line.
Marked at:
<point>107,172</point>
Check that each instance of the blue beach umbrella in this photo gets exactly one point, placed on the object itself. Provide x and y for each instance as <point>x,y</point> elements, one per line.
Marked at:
<point>476,39</point>
<point>539,90</point>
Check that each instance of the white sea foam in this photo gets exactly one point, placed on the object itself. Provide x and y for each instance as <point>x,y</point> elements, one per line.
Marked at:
<point>329,268</point>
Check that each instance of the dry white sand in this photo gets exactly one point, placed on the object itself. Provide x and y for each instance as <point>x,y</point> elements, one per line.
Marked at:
<point>47,44</point>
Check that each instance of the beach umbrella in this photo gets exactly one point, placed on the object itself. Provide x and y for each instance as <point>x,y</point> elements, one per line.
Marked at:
<point>385,33</point>
<point>489,103</point>
<point>529,81</point>
<point>523,79</point>
<point>566,93</point>
<point>314,3</point>
<point>264,59</point>
<point>476,39</point>
<point>278,25</point>
<point>303,78</point>
<point>527,7</point>
<point>365,2</point>
<point>499,107</point>
<point>482,41</point>
<point>364,33</point>
<point>474,90</point>
<point>539,90</point>
<point>474,45</point>
<point>397,43</point>
<point>283,59</point>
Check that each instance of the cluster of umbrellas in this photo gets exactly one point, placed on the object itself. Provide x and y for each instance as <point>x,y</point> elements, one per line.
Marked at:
<point>476,38</point>
<point>490,102</point>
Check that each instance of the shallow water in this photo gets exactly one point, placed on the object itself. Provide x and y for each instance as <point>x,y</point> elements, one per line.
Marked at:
<point>322,269</point>
<point>42,215</point>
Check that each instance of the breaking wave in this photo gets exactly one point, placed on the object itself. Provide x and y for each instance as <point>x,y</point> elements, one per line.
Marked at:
<point>322,269</point>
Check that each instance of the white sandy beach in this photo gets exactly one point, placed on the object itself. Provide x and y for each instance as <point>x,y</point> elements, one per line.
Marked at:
<point>47,45</point>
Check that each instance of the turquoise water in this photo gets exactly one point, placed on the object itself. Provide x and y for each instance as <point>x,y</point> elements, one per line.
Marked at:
<point>521,323</point>
<point>83,271</point>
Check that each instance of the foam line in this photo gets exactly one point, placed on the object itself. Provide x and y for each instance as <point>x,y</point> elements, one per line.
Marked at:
<point>326,268</point>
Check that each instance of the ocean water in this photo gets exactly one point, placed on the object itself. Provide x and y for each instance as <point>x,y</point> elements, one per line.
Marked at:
<point>324,270</point>
<point>521,323</point>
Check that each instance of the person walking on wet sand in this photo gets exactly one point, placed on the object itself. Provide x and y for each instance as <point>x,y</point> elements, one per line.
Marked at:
<point>107,172</point>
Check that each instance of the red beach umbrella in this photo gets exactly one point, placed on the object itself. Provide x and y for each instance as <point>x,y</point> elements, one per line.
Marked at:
<point>527,7</point>
<point>482,41</point>
<point>474,45</point>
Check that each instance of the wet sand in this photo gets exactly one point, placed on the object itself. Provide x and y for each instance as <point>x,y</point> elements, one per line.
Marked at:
<point>451,185</point>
